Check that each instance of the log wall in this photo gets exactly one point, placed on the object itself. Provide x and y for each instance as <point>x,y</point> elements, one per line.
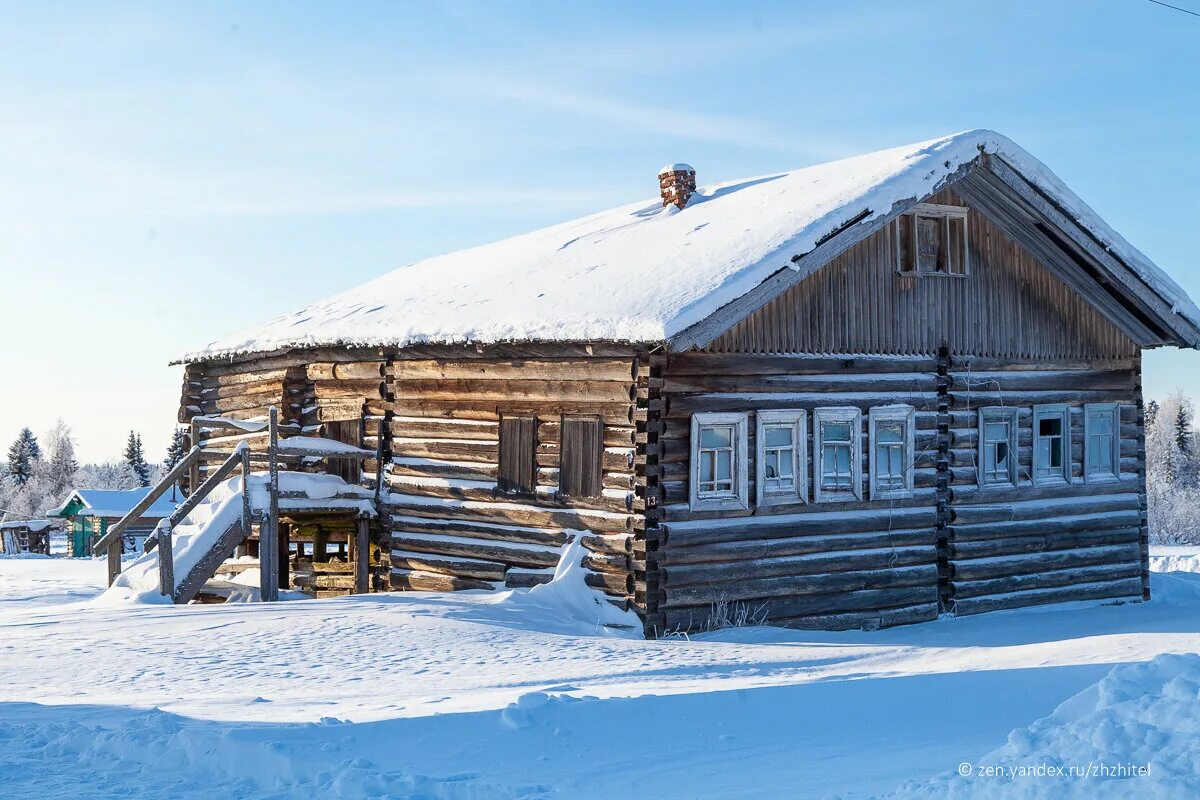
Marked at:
<point>450,526</point>
<point>952,546</point>
<point>828,565</point>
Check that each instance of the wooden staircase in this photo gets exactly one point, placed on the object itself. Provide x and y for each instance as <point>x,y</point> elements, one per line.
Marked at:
<point>236,530</point>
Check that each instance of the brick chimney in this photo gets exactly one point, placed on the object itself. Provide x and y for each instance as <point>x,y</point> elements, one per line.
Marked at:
<point>676,184</point>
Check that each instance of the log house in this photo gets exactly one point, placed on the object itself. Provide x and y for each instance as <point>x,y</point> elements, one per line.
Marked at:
<point>852,396</point>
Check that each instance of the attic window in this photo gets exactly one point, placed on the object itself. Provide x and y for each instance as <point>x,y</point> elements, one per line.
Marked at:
<point>932,240</point>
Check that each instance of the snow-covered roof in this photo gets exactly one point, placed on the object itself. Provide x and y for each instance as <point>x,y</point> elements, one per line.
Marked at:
<point>645,272</point>
<point>119,502</point>
<point>29,524</point>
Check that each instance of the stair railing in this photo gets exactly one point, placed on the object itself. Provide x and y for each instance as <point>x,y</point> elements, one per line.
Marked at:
<point>166,555</point>
<point>111,540</point>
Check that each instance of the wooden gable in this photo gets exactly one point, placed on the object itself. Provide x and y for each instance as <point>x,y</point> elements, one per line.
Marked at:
<point>1008,305</point>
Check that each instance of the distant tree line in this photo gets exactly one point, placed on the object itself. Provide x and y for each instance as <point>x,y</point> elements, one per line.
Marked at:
<point>1172,471</point>
<point>38,475</point>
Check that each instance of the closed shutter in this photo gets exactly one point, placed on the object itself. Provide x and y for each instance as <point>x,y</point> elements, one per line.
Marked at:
<point>579,454</point>
<point>347,432</point>
<point>518,441</point>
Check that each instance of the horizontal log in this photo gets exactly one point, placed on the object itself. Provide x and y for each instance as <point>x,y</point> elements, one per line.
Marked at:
<point>797,585</point>
<point>1006,381</point>
<point>470,470</point>
<point>1037,544</point>
<point>413,580</point>
<point>511,513</point>
<point>692,534</point>
<point>1027,491</point>
<point>356,370</point>
<point>435,428</point>
<point>447,565</point>
<point>610,413</point>
<point>212,381</point>
<point>521,578</point>
<point>820,562</point>
<point>987,568</point>
<point>618,585</point>
<point>447,449</point>
<point>1103,520</point>
<point>479,549</point>
<point>702,363</point>
<point>1129,589</point>
<point>686,405</point>
<point>809,605</point>
<point>593,369</point>
<point>1044,580</point>
<point>334,390</point>
<point>552,537</point>
<point>513,391</point>
<point>862,620</point>
<point>904,382</point>
<point>611,544</point>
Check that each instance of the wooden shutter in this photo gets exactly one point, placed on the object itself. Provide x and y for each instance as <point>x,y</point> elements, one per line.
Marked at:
<point>579,457</point>
<point>518,442</point>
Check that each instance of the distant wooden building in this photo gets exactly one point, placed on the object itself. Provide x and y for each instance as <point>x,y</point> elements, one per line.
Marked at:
<point>25,536</point>
<point>89,513</point>
<point>850,396</point>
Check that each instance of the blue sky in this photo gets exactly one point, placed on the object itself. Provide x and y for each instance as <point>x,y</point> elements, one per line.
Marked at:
<point>175,171</point>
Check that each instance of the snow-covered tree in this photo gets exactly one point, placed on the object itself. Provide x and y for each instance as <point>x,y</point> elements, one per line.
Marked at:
<point>23,454</point>
<point>61,467</point>
<point>108,475</point>
<point>1172,472</point>
<point>177,449</point>
<point>135,459</point>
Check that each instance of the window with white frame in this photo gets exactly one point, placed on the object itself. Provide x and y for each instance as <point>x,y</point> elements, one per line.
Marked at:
<point>1051,444</point>
<point>997,446</point>
<point>932,240</point>
<point>718,471</point>
<point>1101,441</point>
<point>781,458</point>
<point>891,448</point>
<point>837,454</point>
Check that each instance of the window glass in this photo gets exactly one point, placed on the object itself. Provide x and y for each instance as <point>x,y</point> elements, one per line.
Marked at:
<point>889,455</point>
<point>779,453</point>
<point>1049,444</point>
<point>716,459</point>
<point>835,455</point>
<point>1101,442</point>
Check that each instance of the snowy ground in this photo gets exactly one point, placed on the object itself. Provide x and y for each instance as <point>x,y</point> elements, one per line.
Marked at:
<point>499,696</point>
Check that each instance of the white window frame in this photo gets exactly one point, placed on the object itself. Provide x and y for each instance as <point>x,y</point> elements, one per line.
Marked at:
<point>838,414</point>
<point>737,499</point>
<point>1114,412</point>
<point>903,415</point>
<point>998,414</point>
<point>1052,411</point>
<point>798,420</point>
<point>945,213</point>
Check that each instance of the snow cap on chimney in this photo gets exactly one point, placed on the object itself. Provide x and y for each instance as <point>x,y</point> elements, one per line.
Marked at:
<point>676,184</point>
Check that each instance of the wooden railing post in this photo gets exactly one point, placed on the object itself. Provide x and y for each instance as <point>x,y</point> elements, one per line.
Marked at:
<point>166,561</point>
<point>362,554</point>
<point>247,519</point>
<point>194,472</point>
<point>268,529</point>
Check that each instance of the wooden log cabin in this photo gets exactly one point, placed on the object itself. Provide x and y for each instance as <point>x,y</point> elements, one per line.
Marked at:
<point>855,395</point>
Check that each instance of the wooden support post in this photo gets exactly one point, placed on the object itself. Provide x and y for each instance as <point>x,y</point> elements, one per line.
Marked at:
<point>285,555</point>
<point>114,561</point>
<point>268,529</point>
<point>166,561</point>
<point>362,554</point>
<point>320,545</point>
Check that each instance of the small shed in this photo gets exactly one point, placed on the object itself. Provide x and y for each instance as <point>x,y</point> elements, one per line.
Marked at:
<point>26,536</point>
<point>89,512</point>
